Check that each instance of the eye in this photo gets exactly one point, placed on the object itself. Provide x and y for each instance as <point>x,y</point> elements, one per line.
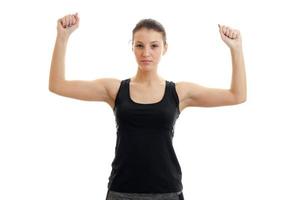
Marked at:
<point>139,46</point>
<point>154,45</point>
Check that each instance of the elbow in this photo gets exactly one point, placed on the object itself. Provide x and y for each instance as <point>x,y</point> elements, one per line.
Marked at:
<point>54,85</point>
<point>52,88</point>
<point>50,84</point>
<point>240,100</point>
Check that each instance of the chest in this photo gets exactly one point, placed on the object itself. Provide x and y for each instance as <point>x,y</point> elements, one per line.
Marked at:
<point>146,95</point>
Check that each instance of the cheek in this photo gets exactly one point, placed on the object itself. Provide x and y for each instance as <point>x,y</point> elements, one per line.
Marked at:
<point>136,53</point>
<point>158,53</point>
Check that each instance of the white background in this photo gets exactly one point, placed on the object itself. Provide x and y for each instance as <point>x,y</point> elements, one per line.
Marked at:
<point>53,147</point>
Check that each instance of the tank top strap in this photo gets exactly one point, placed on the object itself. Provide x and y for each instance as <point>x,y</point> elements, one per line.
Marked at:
<point>173,92</point>
<point>122,92</point>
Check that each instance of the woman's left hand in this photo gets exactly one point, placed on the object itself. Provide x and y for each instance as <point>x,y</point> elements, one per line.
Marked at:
<point>231,37</point>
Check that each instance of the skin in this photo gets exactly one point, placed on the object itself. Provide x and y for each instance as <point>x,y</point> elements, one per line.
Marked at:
<point>147,86</point>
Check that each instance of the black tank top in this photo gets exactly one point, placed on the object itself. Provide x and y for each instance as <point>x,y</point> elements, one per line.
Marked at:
<point>145,160</point>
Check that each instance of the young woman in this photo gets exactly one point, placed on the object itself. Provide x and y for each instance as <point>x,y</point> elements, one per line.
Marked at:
<point>146,107</point>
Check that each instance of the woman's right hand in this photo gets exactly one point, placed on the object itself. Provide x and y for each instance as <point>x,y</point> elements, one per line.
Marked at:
<point>67,24</point>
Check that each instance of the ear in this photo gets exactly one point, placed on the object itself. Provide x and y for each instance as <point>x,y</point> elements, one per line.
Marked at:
<point>165,49</point>
<point>131,44</point>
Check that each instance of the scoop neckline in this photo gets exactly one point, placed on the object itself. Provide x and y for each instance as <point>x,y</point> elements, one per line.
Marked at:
<point>145,104</point>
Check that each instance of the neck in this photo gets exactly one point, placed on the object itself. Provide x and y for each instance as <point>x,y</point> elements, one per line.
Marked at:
<point>147,77</point>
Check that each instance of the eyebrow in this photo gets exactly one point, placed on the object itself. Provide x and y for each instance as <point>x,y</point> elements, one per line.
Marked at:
<point>150,42</point>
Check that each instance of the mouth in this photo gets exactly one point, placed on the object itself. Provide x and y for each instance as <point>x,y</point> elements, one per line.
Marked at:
<point>146,61</point>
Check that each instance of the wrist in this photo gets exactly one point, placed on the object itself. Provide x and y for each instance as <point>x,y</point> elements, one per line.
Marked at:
<point>236,49</point>
<point>62,38</point>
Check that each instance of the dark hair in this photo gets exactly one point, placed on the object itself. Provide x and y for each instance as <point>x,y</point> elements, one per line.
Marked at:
<point>150,24</point>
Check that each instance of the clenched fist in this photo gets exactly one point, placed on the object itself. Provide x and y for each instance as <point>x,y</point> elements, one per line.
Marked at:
<point>67,24</point>
<point>231,37</point>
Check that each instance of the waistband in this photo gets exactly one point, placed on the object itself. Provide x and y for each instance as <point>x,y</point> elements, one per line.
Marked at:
<point>111,195</point>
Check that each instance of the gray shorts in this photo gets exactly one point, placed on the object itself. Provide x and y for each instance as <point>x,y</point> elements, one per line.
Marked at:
<point>111,195</point>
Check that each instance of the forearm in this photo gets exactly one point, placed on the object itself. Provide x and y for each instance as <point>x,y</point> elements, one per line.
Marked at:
<point>238,82</point>
<point>57,71</point>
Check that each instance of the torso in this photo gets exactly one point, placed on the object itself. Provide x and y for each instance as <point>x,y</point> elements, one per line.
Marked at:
<point>146,94</point>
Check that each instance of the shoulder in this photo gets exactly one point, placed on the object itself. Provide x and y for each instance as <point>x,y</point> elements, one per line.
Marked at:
<point>112,86</point>
<point>181,89</point>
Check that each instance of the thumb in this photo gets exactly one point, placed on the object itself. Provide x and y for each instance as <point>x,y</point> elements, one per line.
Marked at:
<point>221,32</point>
<point>76,23</point>
<point>220,28</point>
<point>59,24</point>
<point>77,18</point>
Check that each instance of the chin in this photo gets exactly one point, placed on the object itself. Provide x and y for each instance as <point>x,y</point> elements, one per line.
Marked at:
<point>146,67</point>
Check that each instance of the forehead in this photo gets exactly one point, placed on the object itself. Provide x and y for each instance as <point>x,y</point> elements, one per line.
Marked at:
<point>147,35</point>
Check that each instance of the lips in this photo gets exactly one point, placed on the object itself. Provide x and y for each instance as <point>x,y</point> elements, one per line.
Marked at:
<point>146,61</point>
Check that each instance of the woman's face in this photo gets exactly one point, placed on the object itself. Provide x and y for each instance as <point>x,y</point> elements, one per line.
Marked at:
<point>148,47</point>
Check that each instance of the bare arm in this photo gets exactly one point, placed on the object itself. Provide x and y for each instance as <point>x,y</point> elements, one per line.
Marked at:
<point>103,89</point>
<point>65,26</point>
<point>192,94</point>
<point>238,81</point>
<point>57,70</point>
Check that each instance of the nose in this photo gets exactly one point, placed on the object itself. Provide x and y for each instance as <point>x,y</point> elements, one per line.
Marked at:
<point>146,52</point>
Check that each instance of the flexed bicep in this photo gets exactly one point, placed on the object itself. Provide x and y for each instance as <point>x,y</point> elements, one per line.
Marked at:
<point>194,95</point>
